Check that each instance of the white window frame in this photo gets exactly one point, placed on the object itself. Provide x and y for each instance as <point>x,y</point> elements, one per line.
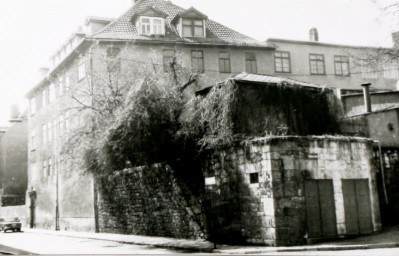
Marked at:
<point>81,68</point>
<point>151,27</point>
<point>51,93</point>
<point>32,105</point>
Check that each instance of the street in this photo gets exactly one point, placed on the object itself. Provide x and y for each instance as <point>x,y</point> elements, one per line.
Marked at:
<point>371,252</point>
<point>51,244</point>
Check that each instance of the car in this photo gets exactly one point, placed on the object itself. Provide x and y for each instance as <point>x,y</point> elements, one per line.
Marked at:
<point>13,224</point>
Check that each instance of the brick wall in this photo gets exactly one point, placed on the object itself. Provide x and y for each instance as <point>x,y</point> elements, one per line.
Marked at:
<point>147,201</point>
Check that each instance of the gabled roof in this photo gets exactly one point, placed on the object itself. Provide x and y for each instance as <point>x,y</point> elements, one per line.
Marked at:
<point>150,11</point>
<point>191,13</point>
<point>124,29</point>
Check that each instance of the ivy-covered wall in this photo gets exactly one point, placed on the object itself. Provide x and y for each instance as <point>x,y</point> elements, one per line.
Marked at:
<point>149,201</point>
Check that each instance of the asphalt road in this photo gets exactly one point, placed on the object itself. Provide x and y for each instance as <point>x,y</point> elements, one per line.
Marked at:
<point>370,252</point>
<point>50,244</point>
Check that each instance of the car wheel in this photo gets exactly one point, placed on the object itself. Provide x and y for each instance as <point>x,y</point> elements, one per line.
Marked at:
<point>18,230</point>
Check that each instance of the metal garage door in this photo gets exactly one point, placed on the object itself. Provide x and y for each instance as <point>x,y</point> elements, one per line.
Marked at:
<point>320,208</point>
<point>357,206</point>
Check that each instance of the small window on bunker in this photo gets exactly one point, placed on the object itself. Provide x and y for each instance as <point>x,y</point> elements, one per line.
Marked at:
<point>254,178</point>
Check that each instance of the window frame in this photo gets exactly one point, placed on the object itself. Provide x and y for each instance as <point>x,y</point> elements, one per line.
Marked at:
<point>195,60</point>
<point>151,25</point>
<point>282,58</point>
<point>166,59</point>
<point>323,61</point>
<point>112,60</point>
<point>32,105</point>
<point>224,60</point>
<point>81,68</point>
<point>251,61</point>
<point>192,27</point>
<point>341,62</point>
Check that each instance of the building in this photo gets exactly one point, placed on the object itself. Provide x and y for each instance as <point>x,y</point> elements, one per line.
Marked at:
<point>280,184</point>
<point>341,66</point>
<point>13,161</point>
<point>378,120</point>
<point>152,36</point>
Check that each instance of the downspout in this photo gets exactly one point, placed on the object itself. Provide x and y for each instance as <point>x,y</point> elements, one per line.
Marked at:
<point>95,198</point>
<point>382,171</point>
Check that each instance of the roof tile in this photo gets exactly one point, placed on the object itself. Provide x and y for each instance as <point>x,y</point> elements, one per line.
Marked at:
<point>217,34</point>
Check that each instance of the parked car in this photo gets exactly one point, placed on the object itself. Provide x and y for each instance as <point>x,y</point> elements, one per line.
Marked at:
<point>13,224</point>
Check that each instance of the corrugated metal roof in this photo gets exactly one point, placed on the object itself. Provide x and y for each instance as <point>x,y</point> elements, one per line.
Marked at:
<point>124,29</point>
<point>245,77</point>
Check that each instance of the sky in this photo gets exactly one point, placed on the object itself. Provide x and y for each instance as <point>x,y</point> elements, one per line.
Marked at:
<point>32,30</point>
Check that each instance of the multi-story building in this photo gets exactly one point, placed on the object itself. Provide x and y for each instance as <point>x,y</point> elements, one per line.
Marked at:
<point>341,66</point>
<point>13,160</point>
<point>152,33</point>
<point>156,34</point>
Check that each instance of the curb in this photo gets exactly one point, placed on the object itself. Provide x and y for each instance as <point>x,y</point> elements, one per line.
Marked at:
<point>167,245</point>
<point>316,248</point>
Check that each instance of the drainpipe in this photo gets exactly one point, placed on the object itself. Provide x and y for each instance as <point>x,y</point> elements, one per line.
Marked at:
<point>366,94</point>
<point>382,171</point>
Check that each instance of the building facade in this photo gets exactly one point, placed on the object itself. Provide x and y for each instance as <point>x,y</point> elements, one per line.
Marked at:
<point>341,66</point>
<point>152,35</point>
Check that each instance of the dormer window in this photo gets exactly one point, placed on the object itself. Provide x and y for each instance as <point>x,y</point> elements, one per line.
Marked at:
<point>193,28</point>
<point>152,26</point>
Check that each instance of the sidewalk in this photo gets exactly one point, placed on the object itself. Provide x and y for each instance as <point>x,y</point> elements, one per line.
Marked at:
<point>388,238</point>
<point>161,242</point>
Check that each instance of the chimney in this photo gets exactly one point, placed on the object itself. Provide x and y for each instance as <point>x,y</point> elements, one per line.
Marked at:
<point>366,95</point>
<point>395,39</point>
<point>313,35</point>
<point>43,71</point>
<point>14,113</point>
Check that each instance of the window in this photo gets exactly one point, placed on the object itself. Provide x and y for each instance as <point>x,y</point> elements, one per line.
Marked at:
<point>67,122</point>
<point>193,28</point>
<point>33,172</point>
<point>224,62</point>
<point>55,129</point>
<point>61,125</point>
<point>32,105</point>
<point>250,63</point>
<point>45,172</point>
<point>341,64</point>
<point>316,62</point>
<point>33,140</point>
<point>113,63</point>
<point>168,58</point>
<point>197,61</point>
<point>49,132</point>
<point>254,178</point>
<point>369,72</point>
<point>51,93</point>
<point>50,167</point>
<point>282,63</point>
<point>44,133</point>
<point>390,70</point>
<point>60,85</point>
<point>44,98</point>
<point>81,68</point>
<point>152,26</point>
<point>67,85</point>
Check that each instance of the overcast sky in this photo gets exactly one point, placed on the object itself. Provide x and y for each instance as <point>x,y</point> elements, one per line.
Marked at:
<point>32,30</point>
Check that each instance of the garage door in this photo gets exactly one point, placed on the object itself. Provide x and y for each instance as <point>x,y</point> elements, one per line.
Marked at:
<point>357,206</point>
<point>320,208</point>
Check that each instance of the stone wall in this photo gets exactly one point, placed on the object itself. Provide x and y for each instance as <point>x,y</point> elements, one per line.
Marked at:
<point>272,207</point>
<point>148,201</point>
